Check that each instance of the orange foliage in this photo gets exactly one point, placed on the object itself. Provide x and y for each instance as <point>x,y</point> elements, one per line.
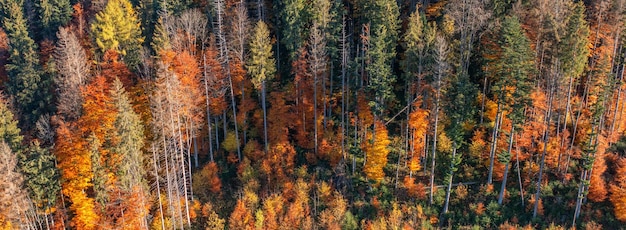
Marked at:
<point>618,191</point>
<point>414,190</point>
<point>279,163</point>
<point>375,148</point>
<point>98,109</point>
<point>74,162</point>
<point>418,122</point>
<point>215,81</point>
<point>303,92</point>
<point>597,187</point>
<point>280,119</point>
<point>113,67</point>
<point>365,113</point>
<point>241,218</point>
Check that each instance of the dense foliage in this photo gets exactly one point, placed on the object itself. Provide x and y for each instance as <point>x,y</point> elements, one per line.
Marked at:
<point>312,114</point>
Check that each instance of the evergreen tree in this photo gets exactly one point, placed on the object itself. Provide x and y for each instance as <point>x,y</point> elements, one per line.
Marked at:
<point>27,83</point>
<point>515,65</point>
<point>261,65</point>
<point>9,132</point>
<point>384,23</point>
<point>41,174</point>
<point>294,15</point>
<point>129,132</point>
<point>53,14</point>
<point>117,27</point>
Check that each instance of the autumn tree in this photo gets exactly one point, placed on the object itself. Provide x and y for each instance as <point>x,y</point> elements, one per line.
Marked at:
<point>117,27</point>
<point>618,191</point>
<point>376,149</point>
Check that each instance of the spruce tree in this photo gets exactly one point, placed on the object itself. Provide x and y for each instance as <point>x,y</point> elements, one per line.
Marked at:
<point>52,15</point>
<point>27,83</point>
<point>129,132</point>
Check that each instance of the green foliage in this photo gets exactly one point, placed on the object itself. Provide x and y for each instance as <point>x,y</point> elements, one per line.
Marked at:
<point>53,14</point>
<point>41,175</point>
<point>379,70</point>
<point>573,48</point>
<point>261,64</point>
<point>294,15</point>
<point>118,28</point>
<point>27,83</point>
<point>515,65</point>
<point>9,132</point>
<point>129,132</point>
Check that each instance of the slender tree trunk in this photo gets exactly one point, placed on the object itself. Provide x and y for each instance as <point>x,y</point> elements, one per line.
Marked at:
<point>315,111</point>
<point>432,165</point>
<point>506,167</point>
<point>519,176</point>
<point>494,140</point>
<point>263,97</point>
<point>543,154</point>
<point>445,206</point>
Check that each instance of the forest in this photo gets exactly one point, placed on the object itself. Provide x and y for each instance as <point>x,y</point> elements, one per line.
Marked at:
<point>312,114</point>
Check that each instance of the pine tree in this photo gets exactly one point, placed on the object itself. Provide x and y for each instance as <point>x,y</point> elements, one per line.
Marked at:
<point>42,176</point>
<point>27,83</point>
<point>129,132</point>
<point>117,27</point>
<point>294,15</point>
<point>261,65</point>
<point>53,14</point>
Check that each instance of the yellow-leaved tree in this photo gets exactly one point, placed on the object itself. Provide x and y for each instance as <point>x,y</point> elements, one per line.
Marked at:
<point>118,28</point>
<point>375,148</point>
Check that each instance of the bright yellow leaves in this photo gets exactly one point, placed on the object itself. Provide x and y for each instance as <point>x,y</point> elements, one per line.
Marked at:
<point>375,148</point>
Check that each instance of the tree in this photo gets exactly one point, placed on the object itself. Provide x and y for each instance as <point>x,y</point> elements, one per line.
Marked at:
<point>27,83</point>
<point>513,65</point>
<point>53,14</point>
<point>75,164</point>
<point>459,107</point>
<point>618,191</point>
<point>41,176</point>
<point>13,199</point>
<point>117,27</point>
<point>317,64</point>
<point>294,17</point>
<point>376,149</point>
<point>261,66</point>
<point>441,69</point>
<point>73,73</point>
<point>384,24</point>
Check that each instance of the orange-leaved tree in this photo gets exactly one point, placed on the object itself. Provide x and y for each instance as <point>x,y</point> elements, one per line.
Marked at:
<point>375,148</point>
<point>618,191</point>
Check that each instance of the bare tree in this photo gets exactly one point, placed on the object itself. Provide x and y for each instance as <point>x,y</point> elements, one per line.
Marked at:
<point>441,51</point>
<point>73,67</point>
<point>317,62</point>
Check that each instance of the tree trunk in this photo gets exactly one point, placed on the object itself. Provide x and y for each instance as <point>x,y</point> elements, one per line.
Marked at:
<point>263,98</point>
<point>494,140</point>
<point>506,167</point>
<point>445,206</point>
